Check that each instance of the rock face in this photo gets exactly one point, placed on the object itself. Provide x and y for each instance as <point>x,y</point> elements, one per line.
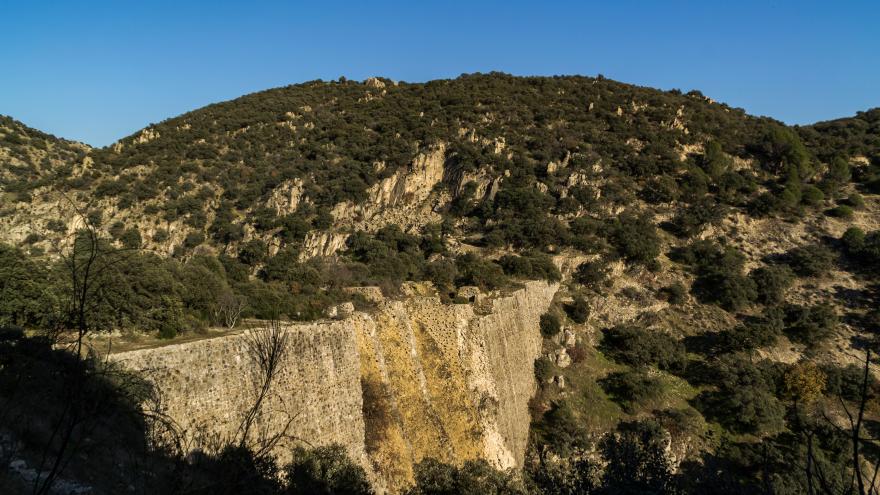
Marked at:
<point>406,198</point>
<point>321,243</point>
<point>285,198</point>
<point>402,199</point>
<point>413,379</point>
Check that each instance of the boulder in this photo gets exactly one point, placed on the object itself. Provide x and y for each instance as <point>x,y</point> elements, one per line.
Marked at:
<point>563,360</point>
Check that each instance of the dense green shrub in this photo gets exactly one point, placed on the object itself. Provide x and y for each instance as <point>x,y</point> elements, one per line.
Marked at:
<point>714,162</point>
<point>586,235</point>
<point>814,260</point>
<point>631,389</point>
<point>549,325</point>
<point>662,189</point>
<point>745,400</point>
<point>854,200</point>
<point>442,273</point>
<point>530,265</point>
<point>95,218</point>
<point>475,477</point>
<point>694,185</point>
<point>520,219</point>
<point>846,382</point>
<point>32,238</point>
<point>841,211</point>
<point>810,325</point>
<point>578,310</point>
<point>676,294</point>
<point>56,225</point>
<point>561,429</point>
<point>689,221</point>
<point>635,238</point>
<point>764,205</point>
<point>161,235</point>
<point>116,229</point>
<point>754,333</point>
<point>27,290</point>
<point>771,282</point>
<point>782,148</point>
<point>473,270</point>
<point>853,240</point>
<point>223,229</point>
<point>325,470</point>
<point>707,256</point>
<point>167,318</point>
<point>837,176</point>
<point>389,255</point>
<point>812,195</point>
<point>638,347</point>
<point>131,238</point>
<point>719,274</point>
<point>578,475</point>
<point>194,239</point>
<point>593,274</point>
<point>637,459</point>
<point>735,187</point>
<point>862,247</point>
<point>544,370</point>
<point>252,252</point>
<point>731,291</point>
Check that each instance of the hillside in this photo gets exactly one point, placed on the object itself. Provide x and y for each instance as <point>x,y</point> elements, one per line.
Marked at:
<point>32,159</point>
<point>235,170</point>
<point>717,271</point>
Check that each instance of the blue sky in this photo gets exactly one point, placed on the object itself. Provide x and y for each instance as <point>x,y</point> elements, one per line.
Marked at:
<point>98,71</point>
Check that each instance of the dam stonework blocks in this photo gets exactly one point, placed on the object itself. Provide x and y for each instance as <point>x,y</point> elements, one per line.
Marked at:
<point>413,379</point>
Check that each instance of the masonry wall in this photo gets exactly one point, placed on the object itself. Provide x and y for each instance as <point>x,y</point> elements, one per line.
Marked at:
<point>413,379</point>
<point>210,384</point>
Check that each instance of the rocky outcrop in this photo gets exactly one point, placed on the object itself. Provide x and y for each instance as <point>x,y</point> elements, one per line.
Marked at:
<point>322,243</point>
<point>146,135</point>
<point>404,198</point>
<point>285,198</point>
<point>407,198</point>
<point>415,378</point>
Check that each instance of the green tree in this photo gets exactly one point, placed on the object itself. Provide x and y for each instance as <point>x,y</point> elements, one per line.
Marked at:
<point>639,347</point>
<point>26,295</point>
<point>635,238</point>
<point>631,389</point>
<point>771,282</point>
<point>252,252</point>
<point>637,459</point>
<point>578,310</point>
<point>782,148</point>
<point>131,238</point>
<point>715,162</point>
<point>593,274</point>
<point>475,477</point>
<point>814,260</point>
<point>745,400</point>
<point>325,471</point>
<point>811,325</point>
<point>549,325</point>
<point>812,195</point>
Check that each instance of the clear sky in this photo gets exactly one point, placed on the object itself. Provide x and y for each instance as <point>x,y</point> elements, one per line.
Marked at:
<point>98,71</point>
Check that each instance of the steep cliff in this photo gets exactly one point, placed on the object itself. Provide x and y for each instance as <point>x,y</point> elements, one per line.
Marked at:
<point>415,378</point>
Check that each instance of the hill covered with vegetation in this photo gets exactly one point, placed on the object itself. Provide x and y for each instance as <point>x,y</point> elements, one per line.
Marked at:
<point>718,270</point>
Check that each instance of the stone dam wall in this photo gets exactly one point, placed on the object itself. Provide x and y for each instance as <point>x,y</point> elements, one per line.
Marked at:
<point>415,378</point>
